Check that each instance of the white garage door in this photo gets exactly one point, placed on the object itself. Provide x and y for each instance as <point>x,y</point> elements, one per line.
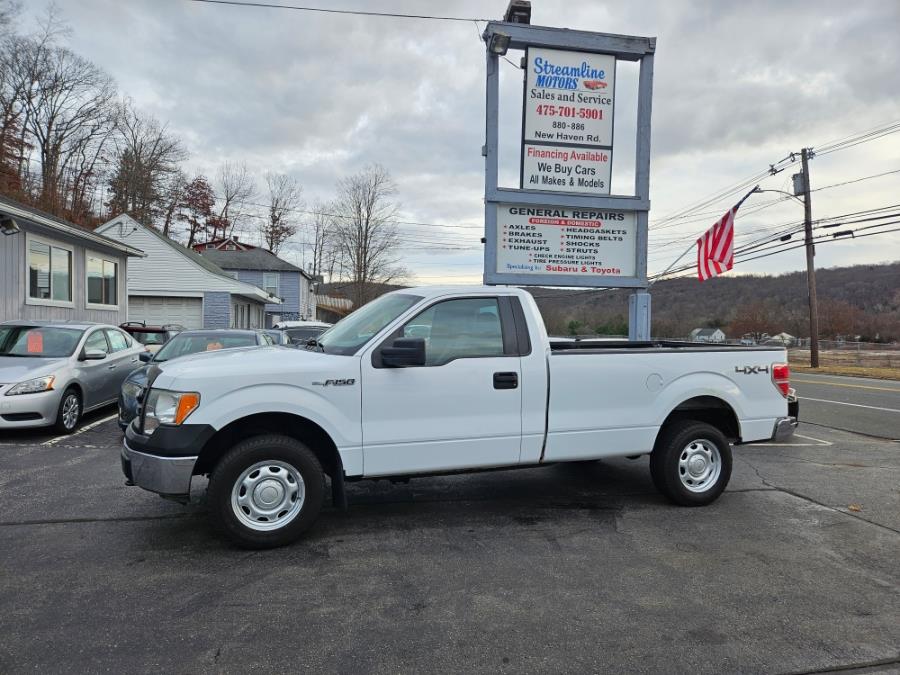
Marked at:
<point>162,310</point>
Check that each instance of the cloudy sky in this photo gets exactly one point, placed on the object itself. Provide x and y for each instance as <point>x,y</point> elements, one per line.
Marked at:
<point>738,86</point>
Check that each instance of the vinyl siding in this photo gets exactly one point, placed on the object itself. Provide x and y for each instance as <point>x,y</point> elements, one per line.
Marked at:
<point>217,310</point>
<point>13,285</point>
<point>288,289</point>
<point>164,271</point>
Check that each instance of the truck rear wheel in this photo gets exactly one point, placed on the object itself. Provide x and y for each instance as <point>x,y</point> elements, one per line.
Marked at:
<point>266,491</point>
<point>691,463</point>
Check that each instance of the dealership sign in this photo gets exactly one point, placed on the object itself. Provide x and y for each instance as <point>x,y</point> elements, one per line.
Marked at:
<point>567,125</point>
<point>562,225</point>
<point>540,240</point>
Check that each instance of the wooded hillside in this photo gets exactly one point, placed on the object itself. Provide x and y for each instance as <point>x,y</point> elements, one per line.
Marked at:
<point>862,300</point>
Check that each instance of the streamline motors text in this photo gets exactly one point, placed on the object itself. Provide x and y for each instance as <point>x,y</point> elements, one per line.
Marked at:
<point>552,76</point>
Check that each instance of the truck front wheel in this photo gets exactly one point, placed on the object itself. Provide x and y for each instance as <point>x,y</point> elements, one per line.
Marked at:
<point>266,491</point>
<point>691,463</point>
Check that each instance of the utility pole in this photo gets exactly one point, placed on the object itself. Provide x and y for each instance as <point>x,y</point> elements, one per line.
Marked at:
<point>805,155</point>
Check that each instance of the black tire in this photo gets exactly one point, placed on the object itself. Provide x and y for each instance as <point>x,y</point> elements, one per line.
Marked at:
<point>70,397</point>
<point>679,442</point>
<point>279,450</point>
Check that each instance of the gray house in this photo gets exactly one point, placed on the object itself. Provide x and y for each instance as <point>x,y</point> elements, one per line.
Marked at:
<point>51,269</point>
<point>263,268</point>
<point>174,284</point>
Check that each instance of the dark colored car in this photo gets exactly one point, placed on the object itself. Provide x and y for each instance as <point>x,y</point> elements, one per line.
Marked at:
<point>183,344</point>
<point>152,337</point>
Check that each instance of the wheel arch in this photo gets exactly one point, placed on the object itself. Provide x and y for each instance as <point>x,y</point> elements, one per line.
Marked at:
<point>709,409</point>
<point>288,424</point>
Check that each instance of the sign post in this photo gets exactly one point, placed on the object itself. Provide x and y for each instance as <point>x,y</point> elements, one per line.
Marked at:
<point>563,227</point>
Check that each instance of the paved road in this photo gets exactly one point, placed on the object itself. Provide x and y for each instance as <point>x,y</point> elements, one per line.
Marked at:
<point>564,568</point>
<point>857,404</point>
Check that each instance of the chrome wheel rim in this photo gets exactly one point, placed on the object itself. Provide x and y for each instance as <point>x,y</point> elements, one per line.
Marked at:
<point>699,465</point>
<point>268,495</point>
<point>70,411</point>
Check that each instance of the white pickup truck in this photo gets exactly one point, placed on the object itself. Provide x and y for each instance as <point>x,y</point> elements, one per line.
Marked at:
<point>440,380</point>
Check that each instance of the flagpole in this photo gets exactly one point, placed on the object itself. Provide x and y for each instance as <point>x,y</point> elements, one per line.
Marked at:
<point>693,244</point>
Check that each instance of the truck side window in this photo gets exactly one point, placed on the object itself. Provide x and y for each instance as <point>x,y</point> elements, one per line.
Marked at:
<point>456,329</point>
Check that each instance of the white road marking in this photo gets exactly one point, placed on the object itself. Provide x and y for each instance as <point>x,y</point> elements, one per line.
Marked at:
<point>855,405</point>
<point>86,427</point>
<point>819,443</point>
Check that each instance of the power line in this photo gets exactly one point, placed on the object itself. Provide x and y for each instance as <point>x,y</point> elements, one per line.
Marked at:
<point>322,10</point>
<point>780,248</point>
<point>856,180</point>
<point>665,245</point>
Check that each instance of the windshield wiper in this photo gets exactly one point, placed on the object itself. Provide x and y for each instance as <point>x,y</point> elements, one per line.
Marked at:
<point>312,342</point>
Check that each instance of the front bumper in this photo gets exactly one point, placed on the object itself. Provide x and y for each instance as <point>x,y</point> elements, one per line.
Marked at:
<point>28,410</point>
<point>163,462</point>
<point>167,476</point>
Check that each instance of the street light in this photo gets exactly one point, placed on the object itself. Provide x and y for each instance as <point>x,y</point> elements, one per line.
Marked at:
<point>9,226</point>
<point>499,44</point>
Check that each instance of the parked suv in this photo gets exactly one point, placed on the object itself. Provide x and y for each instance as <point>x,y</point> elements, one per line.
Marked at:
<point>152,337</point>
<point>53,372</point>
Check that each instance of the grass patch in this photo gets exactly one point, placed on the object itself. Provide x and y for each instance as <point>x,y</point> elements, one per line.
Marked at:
<point>853,371</point>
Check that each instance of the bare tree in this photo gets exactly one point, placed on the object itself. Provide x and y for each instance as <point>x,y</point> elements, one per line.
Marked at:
<point>71,114</point>
<point>285,198</point>
<point>196,208</point>
<point>172,198</point>
<point>366,232</point>
<point>323,229</point>
<point>234,188</point>
<point>147,156</point>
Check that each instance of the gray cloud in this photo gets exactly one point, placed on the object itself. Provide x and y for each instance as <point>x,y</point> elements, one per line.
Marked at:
<point>737,85</point>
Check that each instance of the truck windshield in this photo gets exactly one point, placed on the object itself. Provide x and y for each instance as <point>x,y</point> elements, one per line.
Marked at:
<point>351,333</point>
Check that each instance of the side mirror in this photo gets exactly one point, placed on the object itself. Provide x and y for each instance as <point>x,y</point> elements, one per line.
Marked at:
<point>145,356</point>
<point>404,352</point>
<point>94,355</point>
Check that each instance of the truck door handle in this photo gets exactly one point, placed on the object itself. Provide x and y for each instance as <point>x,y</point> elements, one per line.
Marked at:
<point>111,366</point>
<point>506,380</point>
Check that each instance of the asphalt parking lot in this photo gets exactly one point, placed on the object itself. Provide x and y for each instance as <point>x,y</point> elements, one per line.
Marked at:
<point>578,568</point>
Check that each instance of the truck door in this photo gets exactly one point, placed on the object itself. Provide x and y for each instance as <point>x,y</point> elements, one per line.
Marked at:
<point>462,409</point>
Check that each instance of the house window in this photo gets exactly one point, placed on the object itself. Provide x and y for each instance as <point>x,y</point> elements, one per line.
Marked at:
<point>270,283</point>
<point>230,247</point>
<point>209,246</point>
<point>49,273</point>
<point>102,281</point>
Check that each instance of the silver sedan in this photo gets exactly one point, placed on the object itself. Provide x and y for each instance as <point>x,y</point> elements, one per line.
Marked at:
<point>51,373</point>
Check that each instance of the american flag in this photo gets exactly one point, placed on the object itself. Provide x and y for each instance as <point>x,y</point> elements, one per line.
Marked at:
<point>715,249</point>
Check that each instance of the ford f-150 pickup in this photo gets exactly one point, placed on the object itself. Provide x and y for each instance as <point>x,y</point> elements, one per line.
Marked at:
<point>436,380</point>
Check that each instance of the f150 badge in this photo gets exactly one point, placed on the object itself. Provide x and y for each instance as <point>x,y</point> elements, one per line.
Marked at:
<point>336,383</point>
<point>751,370</point>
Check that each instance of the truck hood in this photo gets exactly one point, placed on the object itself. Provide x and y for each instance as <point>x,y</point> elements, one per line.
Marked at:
<point>251,365</point>
<point>19,368</point>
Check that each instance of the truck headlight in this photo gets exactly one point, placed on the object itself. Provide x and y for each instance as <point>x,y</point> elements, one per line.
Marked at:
<point>34,386</point>
<point>168,407</point>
